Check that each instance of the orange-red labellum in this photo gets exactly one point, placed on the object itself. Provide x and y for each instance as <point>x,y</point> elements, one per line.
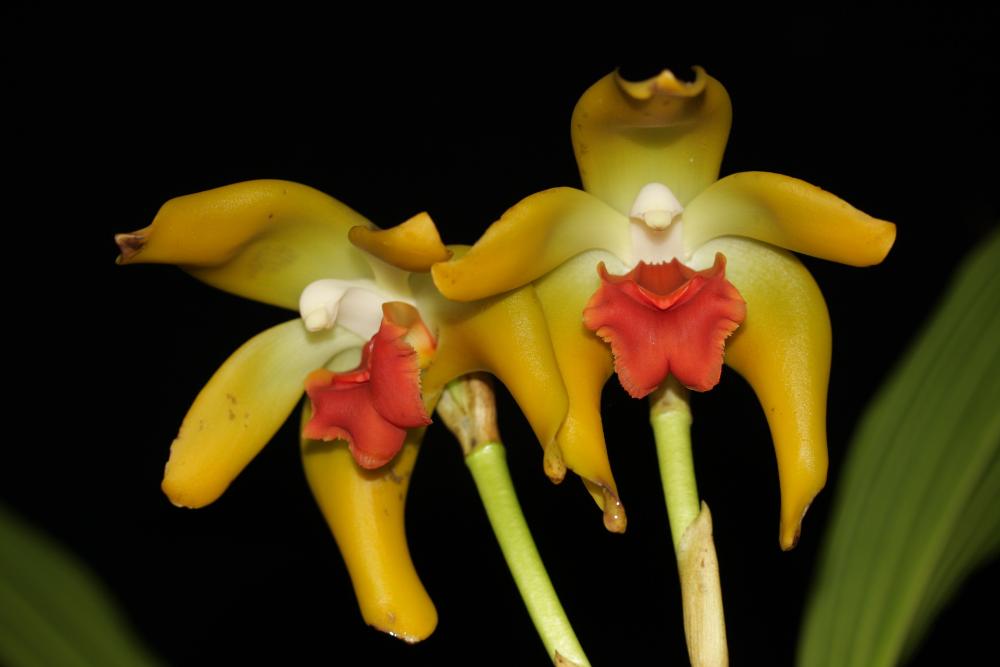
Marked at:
<point>372,406</point>
<point>665,319</point>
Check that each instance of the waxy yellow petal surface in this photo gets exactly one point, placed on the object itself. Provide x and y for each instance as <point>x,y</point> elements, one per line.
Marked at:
<point>265,240</point>
<point>788,213</point>
<point>533,237</point>
<point>783,351</point>
<point>365,512</point>
<point>413,245</point>
<point>585,363</point>
<point>662,130</point>
<point>243,406</point>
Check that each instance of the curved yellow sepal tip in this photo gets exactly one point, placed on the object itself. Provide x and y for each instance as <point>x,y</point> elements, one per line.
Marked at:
<point>664,83</point>
<point>783,350</point>
<point>506,336</point>
<point>265,240</point>
<point>413,245</point>
<point>789,213</point>
<point>242,407</point>
<point>365,512</point>
<point>627,134</point>
<point>585,364</point>
<point>533,237</point>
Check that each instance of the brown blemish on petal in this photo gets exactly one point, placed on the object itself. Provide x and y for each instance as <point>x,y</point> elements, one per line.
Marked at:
<point>553,463</point>
<point>129,245</point>
<point>789,543</point>
<point>270,258</point>
<point>614,512</point>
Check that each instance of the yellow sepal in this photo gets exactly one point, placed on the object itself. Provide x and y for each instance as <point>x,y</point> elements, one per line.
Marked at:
<point>365,512</point>
<point>243,406</point>
<point>265,240</point>
<point>788,213</point>
<point>585,364</point>
<point>505,335</point>
<point>533,237</point>
<point>662,130</point>
<point>413,245</point>
<point>783,351</point>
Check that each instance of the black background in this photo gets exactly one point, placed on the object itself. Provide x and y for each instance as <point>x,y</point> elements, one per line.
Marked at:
<point>892,113</point>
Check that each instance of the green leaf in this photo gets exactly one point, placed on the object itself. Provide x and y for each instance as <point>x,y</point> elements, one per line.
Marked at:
<point>919,505</point>
<point>53,611</point>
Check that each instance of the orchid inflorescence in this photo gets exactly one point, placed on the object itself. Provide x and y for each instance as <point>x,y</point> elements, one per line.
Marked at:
<point>656,271</point>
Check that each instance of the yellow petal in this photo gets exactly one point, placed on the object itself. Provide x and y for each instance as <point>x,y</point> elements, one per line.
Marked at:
<point>788,213</point>
<point>242,406</point>
<point>365,512</point>
<point>506,336</point>
<point>661,130</point>
<point>533,237</point>
<point>783,351</point>
<point>585,364</point>
<point>413,245</point>
<point>265,240</point>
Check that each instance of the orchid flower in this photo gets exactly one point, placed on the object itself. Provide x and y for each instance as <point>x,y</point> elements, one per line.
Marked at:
<point>664,262</point>
<point>362,292</point>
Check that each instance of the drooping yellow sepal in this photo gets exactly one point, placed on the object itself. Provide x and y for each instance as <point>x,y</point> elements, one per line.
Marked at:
<point>783,350</point>
<point>662,130</point>
<point>585,363</point>
<point>507,336</point>
<point>789,213</point>
<point>413,245</point>
<point>533,237</point>
<point>365,512</point>
<point>243,406</point>
<point>265,240</point>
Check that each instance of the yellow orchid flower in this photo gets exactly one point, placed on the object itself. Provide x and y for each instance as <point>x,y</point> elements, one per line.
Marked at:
<point>289,245</point>
<point>664,261</point>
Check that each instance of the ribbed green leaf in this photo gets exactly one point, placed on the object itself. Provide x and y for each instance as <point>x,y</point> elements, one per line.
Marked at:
<point>919,505</point>
<point>54,612</point>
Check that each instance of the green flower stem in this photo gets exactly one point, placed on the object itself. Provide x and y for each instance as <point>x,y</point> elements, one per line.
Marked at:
<point>690,527</point>
<point>670,416</point>
<point>488,464</point>
<point>468,409</point>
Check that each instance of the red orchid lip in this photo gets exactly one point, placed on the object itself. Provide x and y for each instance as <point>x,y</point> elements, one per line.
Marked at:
<point>665,319</point>
<point>656,286</point>
<point>372,406</point>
